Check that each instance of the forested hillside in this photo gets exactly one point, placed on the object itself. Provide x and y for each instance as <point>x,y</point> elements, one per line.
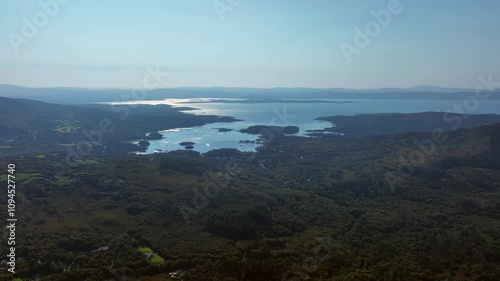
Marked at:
<point>299,209</point>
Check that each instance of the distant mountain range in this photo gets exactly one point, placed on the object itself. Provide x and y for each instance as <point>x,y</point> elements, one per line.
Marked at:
<point>83,95</point>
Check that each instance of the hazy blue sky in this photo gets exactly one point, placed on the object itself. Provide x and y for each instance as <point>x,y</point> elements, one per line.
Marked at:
<point>260,43</point>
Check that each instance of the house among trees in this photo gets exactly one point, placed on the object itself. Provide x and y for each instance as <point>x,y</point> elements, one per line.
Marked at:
<point>176,275</point>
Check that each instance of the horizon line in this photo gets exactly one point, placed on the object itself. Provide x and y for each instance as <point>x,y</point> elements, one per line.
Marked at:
<point>246,87</point>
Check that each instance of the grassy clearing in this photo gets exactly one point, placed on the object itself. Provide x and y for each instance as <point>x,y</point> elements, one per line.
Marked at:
<point>24,178</point>
<point>63,181</point>
<point>5,147</point>
<point>41,156</point>
<point>156,258</point>
<point>146,250</point>
<point>114,220</point>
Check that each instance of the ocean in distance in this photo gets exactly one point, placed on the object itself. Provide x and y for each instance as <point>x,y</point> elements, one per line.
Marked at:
<point>290,112</point>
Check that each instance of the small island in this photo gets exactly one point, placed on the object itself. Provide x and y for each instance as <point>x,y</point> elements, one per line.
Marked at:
<point>222,130</point>
<point>247,141</point>
<point>154,136</point>
<point>189,147</point>
<point>187,143</point>
<point>262,129</point>
<point>143,143</point>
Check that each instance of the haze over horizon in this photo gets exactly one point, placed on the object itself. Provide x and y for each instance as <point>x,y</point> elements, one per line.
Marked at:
<point>256,44</point>
<point>416,88</point>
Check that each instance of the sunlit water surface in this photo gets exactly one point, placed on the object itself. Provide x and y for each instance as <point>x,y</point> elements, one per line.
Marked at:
<point>295,113</point>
